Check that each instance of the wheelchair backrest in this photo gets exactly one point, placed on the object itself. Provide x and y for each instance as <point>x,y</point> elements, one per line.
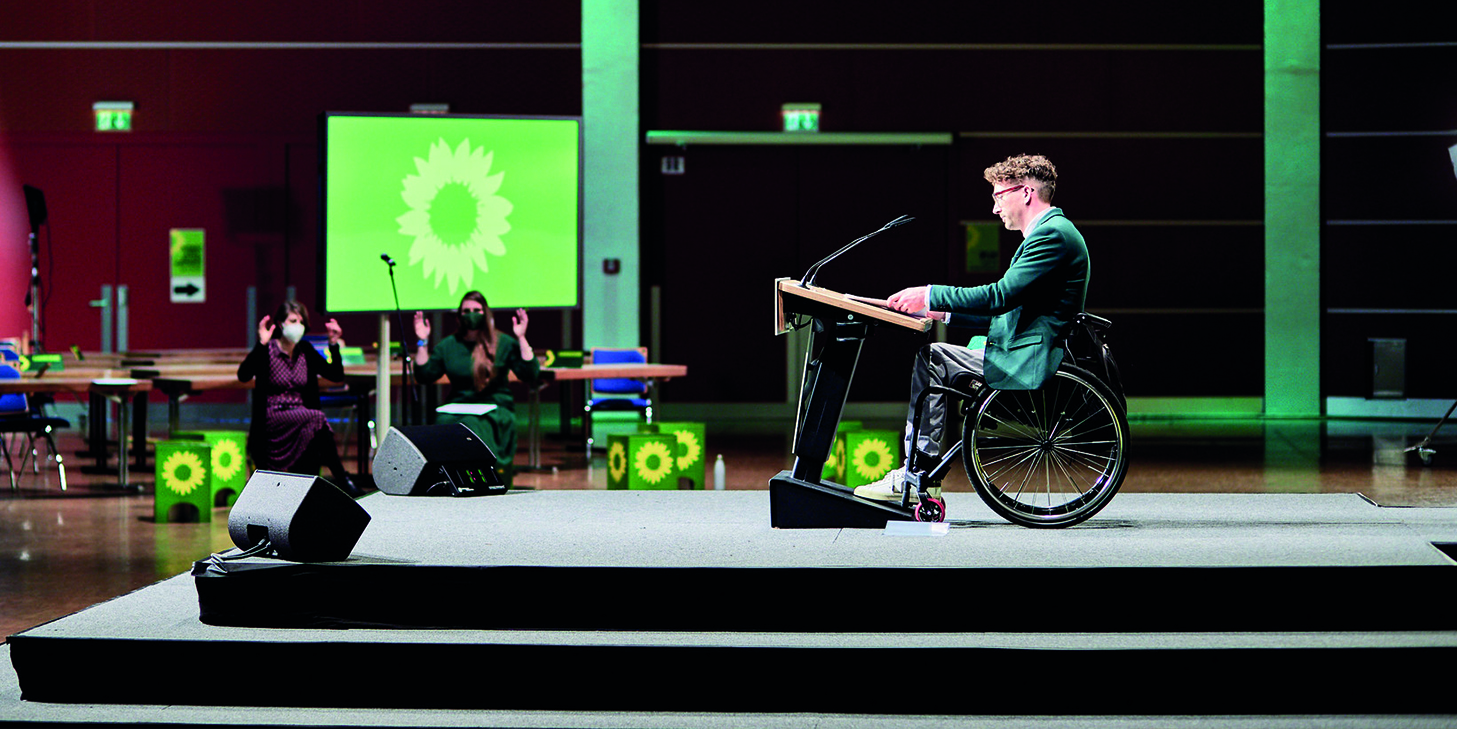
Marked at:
<point>1087,347</point>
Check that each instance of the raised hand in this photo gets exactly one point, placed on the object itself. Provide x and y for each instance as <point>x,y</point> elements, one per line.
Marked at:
<point>518,323</point>
<point>265,329</point>
<point>334,330</point>
<point>422,326</point>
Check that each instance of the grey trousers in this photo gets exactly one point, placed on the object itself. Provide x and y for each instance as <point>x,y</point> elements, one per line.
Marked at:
<point>936,364</point>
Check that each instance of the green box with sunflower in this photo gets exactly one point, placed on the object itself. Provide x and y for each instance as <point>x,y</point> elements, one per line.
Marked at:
<point>870,454</point>
<point>229,470</point>
<point>184,468</point>
<point>691,456</point>
<point>834,469</point>
<point>642,461</point>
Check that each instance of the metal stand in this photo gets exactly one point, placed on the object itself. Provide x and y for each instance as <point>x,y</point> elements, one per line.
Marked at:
<point>1424,449</point>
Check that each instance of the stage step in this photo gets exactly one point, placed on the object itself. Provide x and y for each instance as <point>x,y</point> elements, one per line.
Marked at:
<point>690,603</point>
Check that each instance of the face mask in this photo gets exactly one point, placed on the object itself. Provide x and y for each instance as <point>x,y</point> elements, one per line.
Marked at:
<point>293,332</point>
<point>473,319</point>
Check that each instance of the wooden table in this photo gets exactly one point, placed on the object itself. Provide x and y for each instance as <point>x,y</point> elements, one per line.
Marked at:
<point>178,379</point>
<point>124,394</point>
<point>579,376</point>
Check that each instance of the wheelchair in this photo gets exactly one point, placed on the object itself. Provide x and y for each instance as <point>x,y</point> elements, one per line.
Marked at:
<point>1051,457</point>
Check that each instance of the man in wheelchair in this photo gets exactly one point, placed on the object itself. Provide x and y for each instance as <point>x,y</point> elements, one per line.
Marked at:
<point>1026,312</point>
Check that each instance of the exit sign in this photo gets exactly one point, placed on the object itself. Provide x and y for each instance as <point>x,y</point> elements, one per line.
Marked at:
<point>113,116</point>
<point>801,117</point>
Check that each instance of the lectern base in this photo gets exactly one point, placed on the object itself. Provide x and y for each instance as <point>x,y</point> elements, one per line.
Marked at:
<point>796,504</point>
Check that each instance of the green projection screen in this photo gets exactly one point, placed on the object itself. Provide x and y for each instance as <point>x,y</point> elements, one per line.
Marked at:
<point>460,203</point>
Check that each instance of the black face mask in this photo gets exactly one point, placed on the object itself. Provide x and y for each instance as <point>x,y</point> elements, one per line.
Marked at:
<point>473,319</point>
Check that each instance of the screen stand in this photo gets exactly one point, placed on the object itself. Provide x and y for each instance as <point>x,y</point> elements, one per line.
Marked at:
<point>382,377</point>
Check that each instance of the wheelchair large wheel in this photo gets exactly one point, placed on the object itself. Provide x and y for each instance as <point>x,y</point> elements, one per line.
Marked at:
<point>1051,457</point>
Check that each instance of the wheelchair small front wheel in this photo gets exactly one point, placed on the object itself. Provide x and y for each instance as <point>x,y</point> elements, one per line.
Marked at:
<point>1051,457</point>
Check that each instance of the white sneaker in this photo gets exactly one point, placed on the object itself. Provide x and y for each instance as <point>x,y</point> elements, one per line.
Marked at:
<point>888,488</point>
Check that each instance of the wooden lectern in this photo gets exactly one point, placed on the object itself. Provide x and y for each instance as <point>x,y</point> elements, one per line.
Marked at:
<point>799,499</point>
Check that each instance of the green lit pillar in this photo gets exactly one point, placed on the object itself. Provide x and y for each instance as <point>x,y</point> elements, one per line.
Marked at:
<point>610,46</point>
<point>1292,208</point>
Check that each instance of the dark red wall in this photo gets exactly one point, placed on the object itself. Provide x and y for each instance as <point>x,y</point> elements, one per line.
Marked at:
<point>224,138</point>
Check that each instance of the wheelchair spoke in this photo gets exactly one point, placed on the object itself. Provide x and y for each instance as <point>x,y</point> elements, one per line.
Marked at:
<point>1069,465</point>
<point>1026,476</point>
<point>1020,461</point>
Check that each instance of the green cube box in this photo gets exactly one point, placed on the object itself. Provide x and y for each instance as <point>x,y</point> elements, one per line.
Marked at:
<point>870,454</point>
<point>183,471</point>
<point>642,461</point>
<point>834,469</point>
<point>691,454</point>
<point>229,461</point>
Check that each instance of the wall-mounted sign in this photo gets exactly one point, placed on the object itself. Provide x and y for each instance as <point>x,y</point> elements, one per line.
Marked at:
<point>188,255</point>
<point>983,249</point>
<point>113,116</point>
<point>801,117</point>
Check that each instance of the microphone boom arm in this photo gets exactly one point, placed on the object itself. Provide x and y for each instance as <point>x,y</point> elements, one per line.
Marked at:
<point>808,279</point>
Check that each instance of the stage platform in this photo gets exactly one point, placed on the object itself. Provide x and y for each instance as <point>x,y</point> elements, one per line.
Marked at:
<point>689,602</point>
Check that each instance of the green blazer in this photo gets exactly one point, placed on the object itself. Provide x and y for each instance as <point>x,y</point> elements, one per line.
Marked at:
<point>1027,312</point>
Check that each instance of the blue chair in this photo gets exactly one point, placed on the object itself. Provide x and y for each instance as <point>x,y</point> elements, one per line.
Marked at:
<point>617,394</point>
<point>19,416</point>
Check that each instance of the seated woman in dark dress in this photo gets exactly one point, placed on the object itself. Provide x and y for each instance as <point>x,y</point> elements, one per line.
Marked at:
<point>478,359</point>
<point>289,431</point>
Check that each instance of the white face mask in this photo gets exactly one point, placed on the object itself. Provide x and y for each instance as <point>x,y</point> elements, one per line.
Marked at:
<point>293,332</point>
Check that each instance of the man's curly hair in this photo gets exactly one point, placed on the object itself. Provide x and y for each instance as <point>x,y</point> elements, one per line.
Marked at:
<point>1024,169</point>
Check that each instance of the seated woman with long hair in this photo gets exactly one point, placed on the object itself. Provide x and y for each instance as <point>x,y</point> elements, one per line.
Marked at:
<point>289,431</point>
<point>478,359</point>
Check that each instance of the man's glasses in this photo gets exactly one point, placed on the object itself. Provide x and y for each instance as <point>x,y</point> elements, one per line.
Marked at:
<point>997,196</point>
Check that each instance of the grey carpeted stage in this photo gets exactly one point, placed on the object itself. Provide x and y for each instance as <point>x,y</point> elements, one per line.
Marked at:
<point>593,601</point>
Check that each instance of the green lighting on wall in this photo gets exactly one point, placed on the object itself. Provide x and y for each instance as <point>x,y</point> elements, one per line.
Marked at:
<point>113,116</point>
<point>801,117</point>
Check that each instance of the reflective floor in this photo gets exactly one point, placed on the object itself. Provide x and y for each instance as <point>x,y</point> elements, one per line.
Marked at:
<point>61,552</point>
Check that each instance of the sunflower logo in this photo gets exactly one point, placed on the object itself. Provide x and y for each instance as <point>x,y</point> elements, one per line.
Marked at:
<point>183,471</point>
<point>617,461</point>
<point>653,462</point>
<point>872,458</point>
<point>455,215</point>
<point>689,449</point>
<point>227,459</point>
<point>835,462</point>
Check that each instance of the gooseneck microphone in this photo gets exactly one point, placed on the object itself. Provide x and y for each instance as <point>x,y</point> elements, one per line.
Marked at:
<point>386,258</point>
<point>809,276</point>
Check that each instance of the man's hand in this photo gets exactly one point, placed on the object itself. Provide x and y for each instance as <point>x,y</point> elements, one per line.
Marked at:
<point>914,300</point>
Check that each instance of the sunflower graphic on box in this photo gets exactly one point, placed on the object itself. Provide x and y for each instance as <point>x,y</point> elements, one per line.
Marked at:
<point>642,461</point>
<point>872,453</point>
<point>183,472</point>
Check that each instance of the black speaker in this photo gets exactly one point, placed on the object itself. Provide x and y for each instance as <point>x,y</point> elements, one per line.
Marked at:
<point>35,205</point>
<point>306,518</point>
<point>435,460</point>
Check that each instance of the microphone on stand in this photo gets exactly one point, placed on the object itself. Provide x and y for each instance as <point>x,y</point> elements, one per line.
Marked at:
<point>406,388</point>
<point>809,276</point>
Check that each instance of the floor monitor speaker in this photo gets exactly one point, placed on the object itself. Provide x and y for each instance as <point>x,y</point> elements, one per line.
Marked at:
<point>436,460</point>
<point>306,518</point>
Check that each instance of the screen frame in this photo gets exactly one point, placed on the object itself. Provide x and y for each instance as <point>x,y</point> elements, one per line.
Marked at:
<point>323,210</point>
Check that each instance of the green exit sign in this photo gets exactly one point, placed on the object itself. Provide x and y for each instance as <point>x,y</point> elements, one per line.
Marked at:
<point>113,116</point>
<point>801,117</point>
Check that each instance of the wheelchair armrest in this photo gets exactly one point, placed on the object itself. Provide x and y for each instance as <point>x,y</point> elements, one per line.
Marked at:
<point>1093,321</point>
